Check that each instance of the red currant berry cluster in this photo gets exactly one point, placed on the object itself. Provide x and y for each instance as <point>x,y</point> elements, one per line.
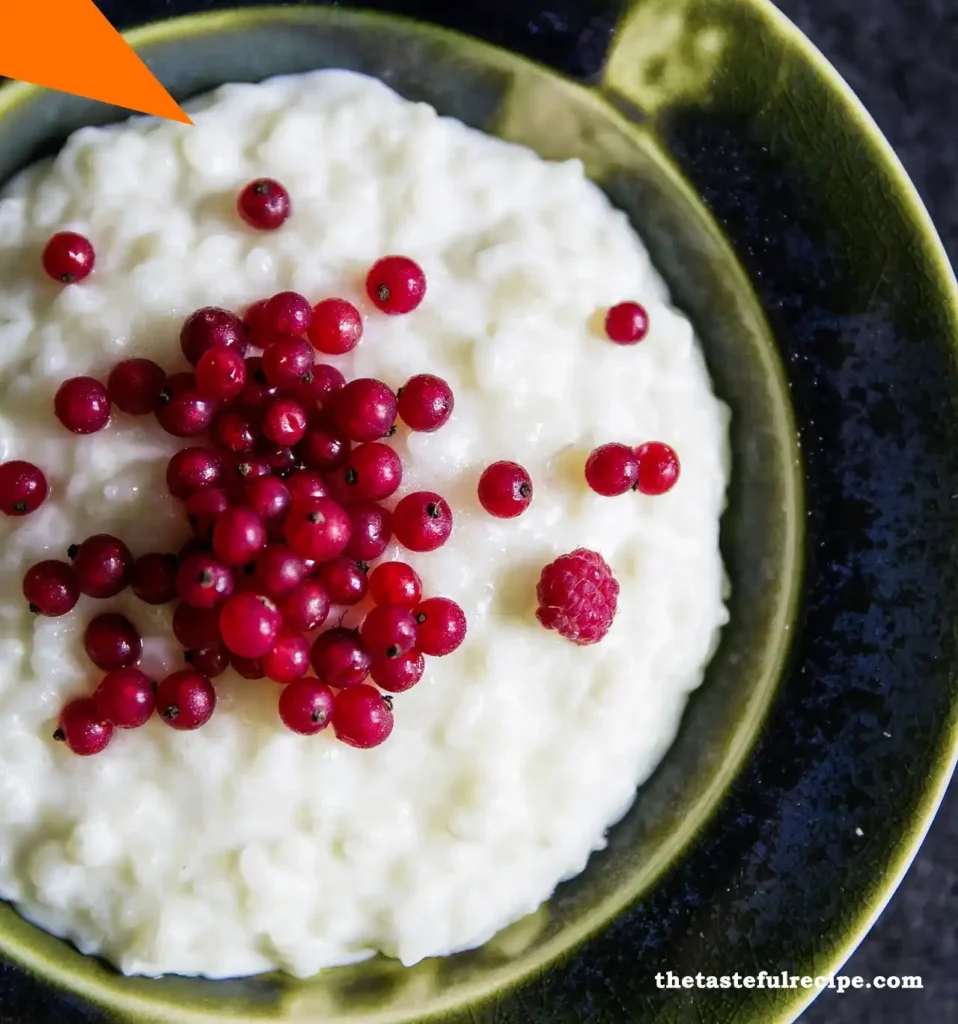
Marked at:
<point>126,697</point>
<point>284,501</point>
<point>651,468</point>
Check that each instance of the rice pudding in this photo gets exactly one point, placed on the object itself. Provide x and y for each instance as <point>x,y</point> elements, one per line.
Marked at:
<point>241,847</point>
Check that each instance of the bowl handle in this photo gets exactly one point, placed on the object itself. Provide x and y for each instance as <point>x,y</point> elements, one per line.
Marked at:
<point>667,52</point>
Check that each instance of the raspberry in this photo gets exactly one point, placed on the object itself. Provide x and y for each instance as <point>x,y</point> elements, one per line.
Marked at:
<point>578,596</point>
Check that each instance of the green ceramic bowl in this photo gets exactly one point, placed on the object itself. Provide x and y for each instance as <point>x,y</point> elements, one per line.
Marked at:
<point>789,234</point>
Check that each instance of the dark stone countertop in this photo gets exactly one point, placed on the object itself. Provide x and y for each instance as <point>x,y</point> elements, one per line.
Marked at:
<point>900,57</point>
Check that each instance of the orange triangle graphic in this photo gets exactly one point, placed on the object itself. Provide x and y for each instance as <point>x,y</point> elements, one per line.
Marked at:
<point>69,45</point>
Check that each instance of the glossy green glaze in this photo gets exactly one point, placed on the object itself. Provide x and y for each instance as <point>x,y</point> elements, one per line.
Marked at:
<point>718,59</point>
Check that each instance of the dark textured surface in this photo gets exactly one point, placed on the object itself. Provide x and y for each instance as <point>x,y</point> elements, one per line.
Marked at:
<point>898,57</point>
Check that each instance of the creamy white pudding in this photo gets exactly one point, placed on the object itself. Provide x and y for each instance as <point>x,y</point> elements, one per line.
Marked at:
<point>242,847</point>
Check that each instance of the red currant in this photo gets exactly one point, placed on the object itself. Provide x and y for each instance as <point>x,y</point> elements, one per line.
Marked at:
<point>422,521</point>
<point>340,658</point>
<point>338,489</point>
<point>82,405</point>
<point>362,717</point>
<point>336,327</point>
<point>249,624</point>
<point>186,700</point>
<point>203,582</point>
<point>279,571</point>
<point>257,392</point>
<point>82,728</point>
<point>396,284</point>
<point>153,577</point>
<point>254,321</point>
<point>398,674</point>
<point>196,628</point>
<point>344,579</point>
<point>220,374</point>
<point>238,534</point>
<point>305,484</point>
<point>312,392</point>
<point>323,445</point>
<point>211,327</point>
<point>51,588</point>
<point>264,204</point>
<point>204,507</point>
<point>125,698</point>
<point>267,496</point>
<point>425,402</point>
<point>306,706</point>
<point>374,471</point>
<point>505,490</point>
<point>289,659</point>
<point>111,641</point>
<point>659,467</point>
<point>103,565</point>
<point>326,380</point>
<point>181,410</point>
<point>23,488</point>
<point>276,531</point>
<point>68,257</point>
<point>241,468</point>
<point>209,661</point>
<point>318,528</point>
<point>306,608</point>
<point>287,361</point>
<point>134,386</point>
<point>371,530</point>
<point>191,469</point>
<point>364,410</point>
<point>627,323</point>
<point>395,583</point>
<point>235,431</point>
<point>442,626</point>
<point>286,313</point>
<point>248,668</point>
<point>388,631</point>
<point>281,459</point>
<point>284,421</point>
<point>612,469</point>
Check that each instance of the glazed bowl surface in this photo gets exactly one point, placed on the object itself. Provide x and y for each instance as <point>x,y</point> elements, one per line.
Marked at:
<point>809,764</point>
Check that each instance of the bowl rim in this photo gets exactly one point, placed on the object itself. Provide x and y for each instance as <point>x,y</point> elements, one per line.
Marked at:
<point>884,155</point>
<point>158,31</point>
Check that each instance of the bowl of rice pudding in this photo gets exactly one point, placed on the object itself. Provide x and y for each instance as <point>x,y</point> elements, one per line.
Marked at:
<point>404,523</point>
